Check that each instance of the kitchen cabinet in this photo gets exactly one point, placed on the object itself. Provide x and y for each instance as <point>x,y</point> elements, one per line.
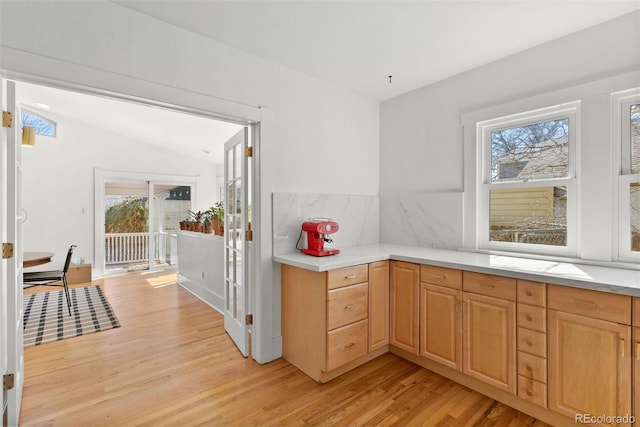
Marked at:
<point>404,306</point>
<point>378,305</point>
<point>441,315</point>
<point>589,352</point>
<point>635,351</point>
<point>489,329</point>
<point>532,341</point>
<point>326,317</point>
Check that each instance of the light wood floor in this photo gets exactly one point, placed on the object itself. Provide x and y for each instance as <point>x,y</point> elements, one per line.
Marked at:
<point>172,364</point>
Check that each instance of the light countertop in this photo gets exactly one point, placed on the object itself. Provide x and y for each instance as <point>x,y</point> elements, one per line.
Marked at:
<point>607,279</point>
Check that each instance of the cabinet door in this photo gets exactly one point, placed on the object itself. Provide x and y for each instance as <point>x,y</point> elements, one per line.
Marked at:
<point>489,340</point>
<point>378,305</point>
<point>441,325</point>
<point>589,366</point>
<point>404,305</point>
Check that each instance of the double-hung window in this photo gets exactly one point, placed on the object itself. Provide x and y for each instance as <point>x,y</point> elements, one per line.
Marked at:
<point>626,126</point>
<point>528,182</point>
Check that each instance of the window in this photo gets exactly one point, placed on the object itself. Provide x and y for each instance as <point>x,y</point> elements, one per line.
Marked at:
<point>626,107</point>
<point>43,126</point>
<point>527,190</point>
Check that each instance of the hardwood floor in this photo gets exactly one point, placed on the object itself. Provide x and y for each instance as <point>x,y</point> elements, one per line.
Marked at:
<point>172,364</point>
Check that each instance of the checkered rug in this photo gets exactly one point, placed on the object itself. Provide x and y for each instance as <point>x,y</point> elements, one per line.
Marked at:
<point>46,317</point>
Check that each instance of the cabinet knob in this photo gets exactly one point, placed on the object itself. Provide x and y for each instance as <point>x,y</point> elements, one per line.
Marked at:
<point>529,368</point>
<point>530,393</point>
<point>529,343</point>
<point>349,306</point>
<point>350,276</point>
<point>351,344</point>
<point>529,318</point>
<point>529,293</point>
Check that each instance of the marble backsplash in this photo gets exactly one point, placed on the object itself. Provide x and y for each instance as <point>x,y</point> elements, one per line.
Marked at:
<point>357,215</point>
<point>424,219</point>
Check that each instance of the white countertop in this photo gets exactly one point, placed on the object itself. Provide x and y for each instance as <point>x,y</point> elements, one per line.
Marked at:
<point>607,279</point>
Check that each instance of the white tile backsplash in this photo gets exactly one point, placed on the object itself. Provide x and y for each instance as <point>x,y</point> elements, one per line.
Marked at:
<point>423,219</point>
<point>357,216</point>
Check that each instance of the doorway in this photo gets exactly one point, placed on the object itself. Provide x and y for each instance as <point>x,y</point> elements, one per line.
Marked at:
<point>142,219</point>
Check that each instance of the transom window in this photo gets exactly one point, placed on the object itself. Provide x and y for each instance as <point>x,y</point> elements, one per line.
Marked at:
<point>42,126</point>
<point>528,185</point>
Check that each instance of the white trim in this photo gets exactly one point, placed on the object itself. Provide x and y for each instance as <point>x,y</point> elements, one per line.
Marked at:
<point>621,166</point>
<point>484,185</point>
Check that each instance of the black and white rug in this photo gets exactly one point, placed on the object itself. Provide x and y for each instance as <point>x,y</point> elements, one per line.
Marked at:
<point>46,317</point>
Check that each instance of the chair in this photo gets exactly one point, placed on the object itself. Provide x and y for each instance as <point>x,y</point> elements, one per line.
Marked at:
<point>49,278</point>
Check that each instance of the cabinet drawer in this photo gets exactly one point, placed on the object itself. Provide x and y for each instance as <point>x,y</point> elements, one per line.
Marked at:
<point>346,344</point>
<point>490,285</point>
<point>534,293</point>
<point>532,367</point>
<point>347,305</point>
<point>532,317</point>
<point>443,276</point>
<point>532,342</point>
<point>600,305</point>
<point>347,276</point>
<point>533,391</point>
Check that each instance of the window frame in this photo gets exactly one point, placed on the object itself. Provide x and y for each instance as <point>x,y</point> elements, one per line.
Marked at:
<point>570,110</point>
<point>621,139</point>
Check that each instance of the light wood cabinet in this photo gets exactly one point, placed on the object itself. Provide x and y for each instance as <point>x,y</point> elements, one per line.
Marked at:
<point>326,318</point>
<point>635,351</point>
<point>404,306</point>
<point>441,315</point>
<point>489,340</point>
<point>378,305</point>
<point>589,352</point>
<point>532,341</point>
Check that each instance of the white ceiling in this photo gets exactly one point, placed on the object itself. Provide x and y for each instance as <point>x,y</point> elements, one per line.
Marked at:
<point>356,44</point>
<point>189,135</point>
<point>353,44</point>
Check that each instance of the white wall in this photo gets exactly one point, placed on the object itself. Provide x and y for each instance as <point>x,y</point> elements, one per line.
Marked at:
<point>427,122</point>
<point>309,114</point>
<point>58,191</point>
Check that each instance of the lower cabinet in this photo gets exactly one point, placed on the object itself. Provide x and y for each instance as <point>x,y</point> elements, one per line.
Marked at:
<point>489,340</point>
<point>326,318</point>
<point>590,354</point>
<point>404,305</point>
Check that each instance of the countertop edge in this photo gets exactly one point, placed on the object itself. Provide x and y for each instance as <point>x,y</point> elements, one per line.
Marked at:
<point>605,279</point>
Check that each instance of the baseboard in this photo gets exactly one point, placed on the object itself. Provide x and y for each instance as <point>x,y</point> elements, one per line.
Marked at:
<point>214,300</point>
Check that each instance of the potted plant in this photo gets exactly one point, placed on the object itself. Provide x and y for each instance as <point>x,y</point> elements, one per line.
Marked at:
<point>217,218</point>
<point>206,222</point>
<point>196,218</point>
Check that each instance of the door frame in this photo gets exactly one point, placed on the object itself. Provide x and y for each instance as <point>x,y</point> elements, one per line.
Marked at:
<point>101,177</point>
<point>266,338</point>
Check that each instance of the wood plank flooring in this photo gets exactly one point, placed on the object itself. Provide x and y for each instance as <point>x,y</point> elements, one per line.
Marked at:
<point>172,364</point>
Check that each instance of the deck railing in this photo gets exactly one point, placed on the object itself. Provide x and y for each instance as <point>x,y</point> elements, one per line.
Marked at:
<point>123,248</point>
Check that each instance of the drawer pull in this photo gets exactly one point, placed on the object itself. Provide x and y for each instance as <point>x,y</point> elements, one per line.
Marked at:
<point>529,368</point>
<point>350,276</point>
<point>529,318</point>
<point>584,303</point>
<point>488,285</point>
<point>530,393</point>
<point>349,306</point>
<point>529,343</point>
<point>529,293</point>
<point>622,347</point>
<point>351,344</point>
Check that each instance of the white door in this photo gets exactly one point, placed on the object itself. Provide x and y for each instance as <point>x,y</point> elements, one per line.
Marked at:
<point>237,249</point>
<point>11,335</point>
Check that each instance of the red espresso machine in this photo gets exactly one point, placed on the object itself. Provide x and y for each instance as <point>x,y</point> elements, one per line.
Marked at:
<point>318,230</point>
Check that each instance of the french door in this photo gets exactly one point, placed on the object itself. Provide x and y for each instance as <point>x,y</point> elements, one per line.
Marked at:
<point>11,334</point>
<point>237,237</point>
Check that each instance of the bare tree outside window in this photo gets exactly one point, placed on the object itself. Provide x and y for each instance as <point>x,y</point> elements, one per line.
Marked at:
<point>533,215</point>
<point>635,138</point>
